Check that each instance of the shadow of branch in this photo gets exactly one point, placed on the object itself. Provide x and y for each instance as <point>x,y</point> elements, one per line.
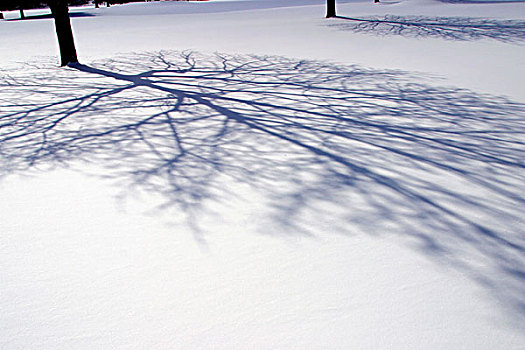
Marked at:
<point>449,28</point>
<point>348,148</point>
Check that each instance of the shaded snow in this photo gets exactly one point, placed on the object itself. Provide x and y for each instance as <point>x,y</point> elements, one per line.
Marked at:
<point>265,179</point>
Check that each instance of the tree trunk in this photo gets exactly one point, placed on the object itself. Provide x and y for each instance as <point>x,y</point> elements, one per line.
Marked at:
<point>22,16</point>
<point>330,8</point>
<point>96,4</point>
<point>66,43</point>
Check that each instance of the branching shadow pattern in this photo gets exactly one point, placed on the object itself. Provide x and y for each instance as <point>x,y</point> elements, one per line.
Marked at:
<point>361,150</point>
<point>482,1</point>
<point>449,28</point>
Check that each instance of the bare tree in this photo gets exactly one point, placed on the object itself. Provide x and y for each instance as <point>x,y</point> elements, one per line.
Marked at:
<point>66,43</point>
<point>330,8</point>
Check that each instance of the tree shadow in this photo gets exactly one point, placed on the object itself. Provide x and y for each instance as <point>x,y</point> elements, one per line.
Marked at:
<point>482,1</point>
<point>449,28</point>
<point>363,150</point>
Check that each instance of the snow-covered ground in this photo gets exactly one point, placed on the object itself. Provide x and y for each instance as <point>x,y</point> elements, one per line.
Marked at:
<point>250,175</point>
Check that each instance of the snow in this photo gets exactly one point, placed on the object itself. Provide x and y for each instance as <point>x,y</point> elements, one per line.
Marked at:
<point>248,174</point>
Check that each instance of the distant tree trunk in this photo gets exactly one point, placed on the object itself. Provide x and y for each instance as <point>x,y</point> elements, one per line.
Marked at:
<point>96,3</point>
<point>107,3</point>
<point>66,43</point>
<point>22,16</point>
<point>330,8</point>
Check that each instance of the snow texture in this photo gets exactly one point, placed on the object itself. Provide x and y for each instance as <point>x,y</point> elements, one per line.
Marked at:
<point>249,175</point>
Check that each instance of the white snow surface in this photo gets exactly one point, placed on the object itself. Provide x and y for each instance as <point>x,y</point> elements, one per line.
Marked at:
<point>250,175</point>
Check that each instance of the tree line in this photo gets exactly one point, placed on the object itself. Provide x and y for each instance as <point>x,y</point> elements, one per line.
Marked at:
<point>21,5</point>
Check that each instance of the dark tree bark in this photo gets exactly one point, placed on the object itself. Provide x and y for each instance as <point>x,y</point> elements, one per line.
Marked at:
<point>330,8</point>
<point>22,16</point>
<point>66,43</point>
<point>97,4</point>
